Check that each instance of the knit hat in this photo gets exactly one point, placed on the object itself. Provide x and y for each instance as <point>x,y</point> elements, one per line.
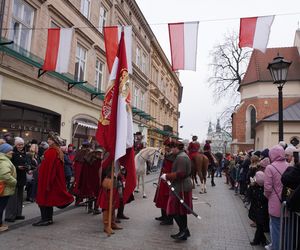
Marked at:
<point>19,140</point>
<point>259,178</point>
<point>290,150</point>
<point>282,144</point>
<point>5,148</point>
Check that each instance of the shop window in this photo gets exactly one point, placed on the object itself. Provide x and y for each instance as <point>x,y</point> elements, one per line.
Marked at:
<point>27,123</point>
<point>22,24</point>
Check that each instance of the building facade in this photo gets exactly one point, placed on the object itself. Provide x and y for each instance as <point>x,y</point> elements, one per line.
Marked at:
<point>259,99</point>
<point>32,104</point>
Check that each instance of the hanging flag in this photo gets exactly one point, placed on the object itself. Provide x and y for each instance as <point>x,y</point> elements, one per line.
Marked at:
<point>58,50</point>
<point>112,35</point>
<point>255,31</point>
<point>115,126</point>
<point>183,43</point>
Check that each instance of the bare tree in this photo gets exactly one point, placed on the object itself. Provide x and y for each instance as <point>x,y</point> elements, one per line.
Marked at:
<point>228,67</point>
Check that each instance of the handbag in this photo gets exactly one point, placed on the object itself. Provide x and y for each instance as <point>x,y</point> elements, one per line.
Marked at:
<point>2,187</point>
<point>106,183</point>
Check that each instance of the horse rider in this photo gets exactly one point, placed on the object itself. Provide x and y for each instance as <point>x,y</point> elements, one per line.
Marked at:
<point>182,183</point>
<point>194,147</point>
<point>212,161</point>
<point>162,191</point>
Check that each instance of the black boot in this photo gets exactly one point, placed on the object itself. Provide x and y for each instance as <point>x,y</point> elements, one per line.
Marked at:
<point>163,215</point>
<point>167,221</point>
<point>183,235</point>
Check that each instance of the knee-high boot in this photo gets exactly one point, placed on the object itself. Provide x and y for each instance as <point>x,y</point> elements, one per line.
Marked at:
<point>113,222</point>
<point>106,227</point>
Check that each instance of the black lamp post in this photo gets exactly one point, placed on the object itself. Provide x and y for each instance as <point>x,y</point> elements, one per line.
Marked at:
<point>279,70</point>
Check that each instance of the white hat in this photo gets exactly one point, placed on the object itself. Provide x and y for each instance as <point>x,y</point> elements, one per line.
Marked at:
<point>19,140</point>
<point>290,149</point>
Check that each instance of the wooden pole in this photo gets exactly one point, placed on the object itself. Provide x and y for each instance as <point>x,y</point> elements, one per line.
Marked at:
<point>110,208</point>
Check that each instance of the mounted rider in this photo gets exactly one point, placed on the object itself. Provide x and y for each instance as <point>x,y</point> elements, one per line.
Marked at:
<point>194,147</point>
<point>212,160</point>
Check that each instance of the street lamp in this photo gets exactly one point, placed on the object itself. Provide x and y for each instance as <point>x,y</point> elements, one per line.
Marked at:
<point>279,69</point>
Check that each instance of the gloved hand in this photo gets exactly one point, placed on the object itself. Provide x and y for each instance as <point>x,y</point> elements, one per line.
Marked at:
<point>163,177</point>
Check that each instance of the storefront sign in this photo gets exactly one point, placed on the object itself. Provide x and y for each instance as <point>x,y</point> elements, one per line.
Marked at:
<point>29,128</point>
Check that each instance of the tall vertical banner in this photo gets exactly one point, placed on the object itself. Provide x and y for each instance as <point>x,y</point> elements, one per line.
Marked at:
<point>112,36</point>
<point>58,50</point>
<point>255,32</point>
<point>115,126</point>
<point>183,43</point>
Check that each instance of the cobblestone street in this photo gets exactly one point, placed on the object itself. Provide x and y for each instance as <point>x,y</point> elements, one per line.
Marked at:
<point>224,225</point>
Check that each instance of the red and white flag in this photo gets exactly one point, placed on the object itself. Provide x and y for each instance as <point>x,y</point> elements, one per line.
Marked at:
<point>183,43</point>
<point>255,31</point>
<point>112,36</point>
<point>115,126</point>
<point>58,50</point>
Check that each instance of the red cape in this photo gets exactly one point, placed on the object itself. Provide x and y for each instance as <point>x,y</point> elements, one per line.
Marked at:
<point>52,189</point>
<point>88,185</point>
<point>163,191</point>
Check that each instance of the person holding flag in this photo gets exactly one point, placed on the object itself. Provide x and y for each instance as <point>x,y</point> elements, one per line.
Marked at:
<point>115,133</point>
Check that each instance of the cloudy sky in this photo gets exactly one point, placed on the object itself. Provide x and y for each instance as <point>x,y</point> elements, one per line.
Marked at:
<point>216,17</point>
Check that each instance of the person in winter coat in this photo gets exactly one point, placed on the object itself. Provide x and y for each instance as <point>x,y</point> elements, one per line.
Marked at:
<point>8,177</point>
<point>15,203</point>
<point>259,206</point>
<point>273,189</point>
<point>52,189</point>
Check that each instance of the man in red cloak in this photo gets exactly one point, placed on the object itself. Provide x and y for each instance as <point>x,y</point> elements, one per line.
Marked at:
<point>52,189</point>
<point>78,164</point>
<point>162,192</point>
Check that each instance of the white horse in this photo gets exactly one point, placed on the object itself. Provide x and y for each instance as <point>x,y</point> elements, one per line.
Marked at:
<point>149,154</point>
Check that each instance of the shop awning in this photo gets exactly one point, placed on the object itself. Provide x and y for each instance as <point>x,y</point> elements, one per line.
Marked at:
<point>86,124</point>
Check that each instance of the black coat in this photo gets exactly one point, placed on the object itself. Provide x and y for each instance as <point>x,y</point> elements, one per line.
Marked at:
<point>20,159</point>
<point>258,211</point>
<point>291,179</point>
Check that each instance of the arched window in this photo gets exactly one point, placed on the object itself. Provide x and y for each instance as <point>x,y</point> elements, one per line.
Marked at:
<point>250,123</point>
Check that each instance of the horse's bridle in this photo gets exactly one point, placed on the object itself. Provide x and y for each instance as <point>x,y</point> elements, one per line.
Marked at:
<point>156,150</point>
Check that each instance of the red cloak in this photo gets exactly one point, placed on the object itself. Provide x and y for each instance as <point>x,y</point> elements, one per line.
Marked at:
<point>52,189</point>
<point>163,191</point>
<point>88,185</point>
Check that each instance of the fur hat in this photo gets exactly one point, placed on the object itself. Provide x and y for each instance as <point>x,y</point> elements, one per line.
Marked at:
<point>259,178</point>
<point>5,148</point>
<point>56,138</point>
<point>168,141</point>
<point>19,140</point>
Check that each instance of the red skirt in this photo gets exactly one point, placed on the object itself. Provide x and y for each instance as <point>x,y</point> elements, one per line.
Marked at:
<point>174,207</point>
<point>103,199</point>
<point>162,195</point>
<point>77,172</point>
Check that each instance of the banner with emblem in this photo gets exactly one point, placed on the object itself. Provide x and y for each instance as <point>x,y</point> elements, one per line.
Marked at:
<point>115,126</point>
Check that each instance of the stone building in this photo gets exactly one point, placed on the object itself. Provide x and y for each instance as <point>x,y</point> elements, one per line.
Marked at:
<point>31,106</point>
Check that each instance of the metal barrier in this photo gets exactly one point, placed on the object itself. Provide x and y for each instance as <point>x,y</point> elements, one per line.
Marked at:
<point>289,229</point>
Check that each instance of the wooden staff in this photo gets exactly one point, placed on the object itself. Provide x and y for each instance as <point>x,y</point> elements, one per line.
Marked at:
<point>111,199</point>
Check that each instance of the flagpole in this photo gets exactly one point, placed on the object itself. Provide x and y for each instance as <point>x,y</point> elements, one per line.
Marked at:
<point>111,199</point>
